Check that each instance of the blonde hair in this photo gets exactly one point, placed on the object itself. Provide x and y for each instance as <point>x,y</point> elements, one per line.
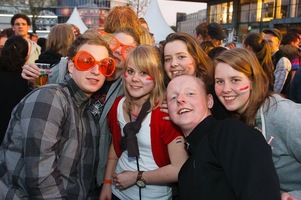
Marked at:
<point>246,62</point>
<point>60,38</point>
<point>147,59</point>
<point>146,38</point>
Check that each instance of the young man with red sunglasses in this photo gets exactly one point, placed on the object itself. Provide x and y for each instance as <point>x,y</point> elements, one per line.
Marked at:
<point>50,150</point>
<point>103,99</point>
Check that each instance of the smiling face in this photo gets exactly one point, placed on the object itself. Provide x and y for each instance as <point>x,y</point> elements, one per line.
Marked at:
<point>232,88</point>
<point>138,84</point>
<point>177,59</point>
<point>91,80</point>
<point>188,103</point>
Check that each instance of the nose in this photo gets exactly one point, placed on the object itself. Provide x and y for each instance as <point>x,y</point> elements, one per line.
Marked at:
<point>227,87</point>
<point>118,50</point>
<point>181,99</point>
<point>174,63</point>
<point>96,70</point>
<point>135,77</point>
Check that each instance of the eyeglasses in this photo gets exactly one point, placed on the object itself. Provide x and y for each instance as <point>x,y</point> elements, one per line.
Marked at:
<point>115,44</point>
<point>84,61</point>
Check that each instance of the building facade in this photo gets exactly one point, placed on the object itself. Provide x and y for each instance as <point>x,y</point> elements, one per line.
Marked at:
<point>243,16</point>
<point>238,17</point>
<point>187,23</point>
<point>92,12</point>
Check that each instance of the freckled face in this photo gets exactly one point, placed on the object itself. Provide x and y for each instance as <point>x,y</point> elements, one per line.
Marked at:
<point>177,59</point>
<point>232,88</point>
<point>138,83</point>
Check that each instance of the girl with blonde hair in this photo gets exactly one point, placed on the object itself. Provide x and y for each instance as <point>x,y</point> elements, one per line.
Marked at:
<point>146,152</point>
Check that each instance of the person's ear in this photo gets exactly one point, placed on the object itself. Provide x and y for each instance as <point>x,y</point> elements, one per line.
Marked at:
<point>71,67</point>
<point>210,101</point>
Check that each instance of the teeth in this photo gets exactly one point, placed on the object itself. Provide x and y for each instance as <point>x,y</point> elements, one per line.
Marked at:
<point>175,72</point>
<point>184,111</point>
<point>135,87</point>
<point>229,98</point>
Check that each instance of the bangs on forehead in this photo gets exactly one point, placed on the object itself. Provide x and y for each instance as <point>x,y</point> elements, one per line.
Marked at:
<point>144,65</point>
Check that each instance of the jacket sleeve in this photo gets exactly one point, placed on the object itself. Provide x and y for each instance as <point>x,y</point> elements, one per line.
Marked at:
<point>41,119</point>
<point>58,72</point>
<point>282,69</point>
<point>283,123</point>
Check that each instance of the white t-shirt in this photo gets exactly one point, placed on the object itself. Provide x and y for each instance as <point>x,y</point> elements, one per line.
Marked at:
<point>146,163</point>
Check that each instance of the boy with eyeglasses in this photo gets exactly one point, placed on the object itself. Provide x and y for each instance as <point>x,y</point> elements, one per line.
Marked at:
<point>50,150</point>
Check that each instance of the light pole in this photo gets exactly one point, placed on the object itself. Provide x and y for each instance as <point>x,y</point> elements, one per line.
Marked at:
<point>137,7</point>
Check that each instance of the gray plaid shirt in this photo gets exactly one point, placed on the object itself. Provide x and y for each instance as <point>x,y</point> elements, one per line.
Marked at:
<point>50,147</point>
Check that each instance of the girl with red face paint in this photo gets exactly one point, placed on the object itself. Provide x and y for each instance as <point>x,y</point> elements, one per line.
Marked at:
<point>243,88</point>
<point>146,152</point>
<point>183,55</point>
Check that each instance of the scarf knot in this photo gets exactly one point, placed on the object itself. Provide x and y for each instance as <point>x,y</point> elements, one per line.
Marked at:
<point>129,140</point>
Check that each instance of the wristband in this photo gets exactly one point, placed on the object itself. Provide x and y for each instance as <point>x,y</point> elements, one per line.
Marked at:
<point>106,181</point>
<point>112,158</point>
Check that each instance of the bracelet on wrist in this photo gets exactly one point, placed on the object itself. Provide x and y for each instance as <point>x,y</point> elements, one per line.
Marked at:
<point>107,181</point>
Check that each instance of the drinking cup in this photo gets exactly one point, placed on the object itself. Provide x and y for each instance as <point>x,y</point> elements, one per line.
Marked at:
<point>43,78</point>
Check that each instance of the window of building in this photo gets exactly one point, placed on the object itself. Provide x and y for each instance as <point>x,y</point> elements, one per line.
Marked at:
<point>268,10</point>
<point>221,13</point>
<point>244,14</point>
<point>230,12</point>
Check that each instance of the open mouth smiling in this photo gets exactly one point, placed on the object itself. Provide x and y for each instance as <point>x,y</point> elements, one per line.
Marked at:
<point>184,110</point>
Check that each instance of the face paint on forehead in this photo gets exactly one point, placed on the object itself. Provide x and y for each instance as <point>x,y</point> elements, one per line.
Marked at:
<point>244,90</point>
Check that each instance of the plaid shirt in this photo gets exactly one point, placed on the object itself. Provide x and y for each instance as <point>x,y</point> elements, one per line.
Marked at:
<point>50,147</point>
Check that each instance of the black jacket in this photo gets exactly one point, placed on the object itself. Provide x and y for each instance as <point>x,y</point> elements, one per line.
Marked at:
<point>49,57</point>
<point>228,160</point>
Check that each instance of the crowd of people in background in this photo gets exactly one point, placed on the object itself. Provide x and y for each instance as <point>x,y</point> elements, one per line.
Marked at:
<point>122,117</point>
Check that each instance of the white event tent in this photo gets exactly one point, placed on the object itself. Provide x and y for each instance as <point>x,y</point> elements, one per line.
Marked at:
<point>76,20</point>
<point>156,22</point>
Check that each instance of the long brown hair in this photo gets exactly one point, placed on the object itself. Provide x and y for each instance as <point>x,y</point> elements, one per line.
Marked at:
<point>60,38</point>
<point>263,52</point>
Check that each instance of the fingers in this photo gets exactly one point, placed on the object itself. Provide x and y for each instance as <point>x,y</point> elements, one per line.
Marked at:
<point>166,118</point>
<point>118,185</point>
<point>164,110</point>
<point>30,72</point>
<point>116,182</point>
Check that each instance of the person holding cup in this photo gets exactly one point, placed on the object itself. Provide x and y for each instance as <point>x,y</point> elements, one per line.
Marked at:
<point>51,144</point>
<point>11,83</point>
